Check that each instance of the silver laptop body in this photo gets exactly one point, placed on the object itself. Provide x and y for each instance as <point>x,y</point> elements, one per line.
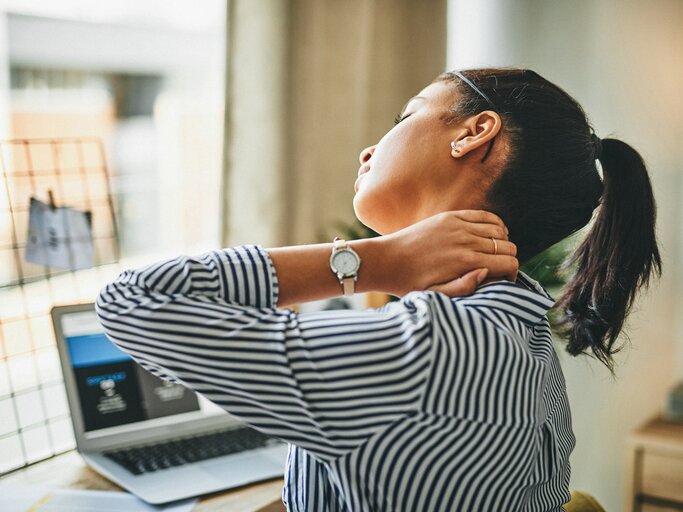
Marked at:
<point>102,384</point>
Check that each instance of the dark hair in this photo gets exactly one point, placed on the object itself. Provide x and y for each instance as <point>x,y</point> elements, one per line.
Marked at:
<point>549,187</point>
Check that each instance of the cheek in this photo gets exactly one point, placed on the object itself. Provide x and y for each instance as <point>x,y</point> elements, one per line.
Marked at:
<point>389,195</point>
<point>412,152</point>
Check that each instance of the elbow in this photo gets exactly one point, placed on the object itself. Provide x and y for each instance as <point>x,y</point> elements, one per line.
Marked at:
<point>108,306</point>
<point>103,309</point>
<point>112,295</point>
<point>105,299</point>
<point>112,317</point>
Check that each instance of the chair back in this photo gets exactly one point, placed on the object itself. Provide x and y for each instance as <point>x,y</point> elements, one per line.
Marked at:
<point>582,502</point>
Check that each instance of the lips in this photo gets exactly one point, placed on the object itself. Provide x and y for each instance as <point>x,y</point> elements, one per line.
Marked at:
<point>364,169</point>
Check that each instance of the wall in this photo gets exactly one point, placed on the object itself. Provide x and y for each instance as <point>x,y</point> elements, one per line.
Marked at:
<point>621,60</point>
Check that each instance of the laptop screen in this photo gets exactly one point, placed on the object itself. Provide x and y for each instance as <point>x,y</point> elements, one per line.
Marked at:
<point>113,390</point>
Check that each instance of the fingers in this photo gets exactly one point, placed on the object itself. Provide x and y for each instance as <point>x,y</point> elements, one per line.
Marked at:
<point>499,265</point>
<point>464,285</point>
<point>480,216</point>
<point>501,247</point>
<point>488,231</point>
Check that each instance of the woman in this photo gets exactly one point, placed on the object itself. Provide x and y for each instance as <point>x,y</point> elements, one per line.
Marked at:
<point>451,398</point>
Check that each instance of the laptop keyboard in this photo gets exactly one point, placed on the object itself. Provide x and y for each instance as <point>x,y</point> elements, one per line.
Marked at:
<point>176,452</point>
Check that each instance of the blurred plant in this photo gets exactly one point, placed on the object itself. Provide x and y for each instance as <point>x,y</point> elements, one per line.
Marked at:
<point>355,231</point>
<point>546,267</point>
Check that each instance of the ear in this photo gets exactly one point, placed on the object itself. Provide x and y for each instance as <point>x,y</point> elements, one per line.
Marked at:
<point>477,131</point>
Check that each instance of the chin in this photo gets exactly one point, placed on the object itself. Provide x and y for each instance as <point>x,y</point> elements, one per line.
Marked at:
<point>365,217</point>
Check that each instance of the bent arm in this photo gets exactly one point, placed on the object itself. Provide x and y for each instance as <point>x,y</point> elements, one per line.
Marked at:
<point>324,381</point>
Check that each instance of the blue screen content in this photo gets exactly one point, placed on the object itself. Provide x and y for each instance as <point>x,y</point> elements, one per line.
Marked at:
<point>92,349</point>
<point>114,390</point>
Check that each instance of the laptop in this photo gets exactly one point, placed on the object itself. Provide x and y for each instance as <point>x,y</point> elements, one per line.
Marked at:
<point>159,440</point>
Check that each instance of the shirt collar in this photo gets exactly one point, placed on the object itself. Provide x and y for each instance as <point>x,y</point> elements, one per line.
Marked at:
<point>529,282</point>
<point>526,298</point>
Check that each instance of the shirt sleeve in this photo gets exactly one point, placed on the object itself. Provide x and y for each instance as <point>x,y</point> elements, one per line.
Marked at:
<point>325,381</point>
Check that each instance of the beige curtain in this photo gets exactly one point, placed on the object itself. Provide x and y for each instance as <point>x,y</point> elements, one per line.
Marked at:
<point>310,83</point>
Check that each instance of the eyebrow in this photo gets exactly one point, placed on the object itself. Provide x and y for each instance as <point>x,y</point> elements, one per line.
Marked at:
<point>411,99</point>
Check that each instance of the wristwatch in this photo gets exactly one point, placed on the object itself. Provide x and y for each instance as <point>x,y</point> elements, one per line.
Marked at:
<point>345,262</point>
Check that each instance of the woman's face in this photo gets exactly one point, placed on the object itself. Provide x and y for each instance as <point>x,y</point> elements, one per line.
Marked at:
<point>408,174</point>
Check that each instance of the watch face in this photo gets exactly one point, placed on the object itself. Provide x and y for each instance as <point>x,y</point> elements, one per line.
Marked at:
<point>345,262</point>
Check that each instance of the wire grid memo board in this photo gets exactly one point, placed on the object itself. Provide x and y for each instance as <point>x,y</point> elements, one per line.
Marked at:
<point>34,417</point>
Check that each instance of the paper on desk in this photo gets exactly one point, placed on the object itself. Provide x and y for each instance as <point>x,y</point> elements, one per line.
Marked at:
<point>43,499</point>
<point>59,237</point>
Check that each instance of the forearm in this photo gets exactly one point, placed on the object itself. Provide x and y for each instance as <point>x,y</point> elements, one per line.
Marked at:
<point>239,275</point>
<point>304,272</point>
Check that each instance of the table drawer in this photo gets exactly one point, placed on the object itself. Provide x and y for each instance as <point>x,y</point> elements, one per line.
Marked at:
<point>662,476</point>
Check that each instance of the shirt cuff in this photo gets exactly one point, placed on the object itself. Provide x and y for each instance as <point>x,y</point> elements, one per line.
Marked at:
<point>274,283</point>
<point>248,276</point>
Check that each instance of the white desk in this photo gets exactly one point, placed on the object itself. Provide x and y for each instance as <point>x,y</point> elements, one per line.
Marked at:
<point>70,471</point>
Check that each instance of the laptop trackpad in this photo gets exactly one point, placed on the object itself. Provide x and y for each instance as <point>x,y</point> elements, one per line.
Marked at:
<point>244,467</point>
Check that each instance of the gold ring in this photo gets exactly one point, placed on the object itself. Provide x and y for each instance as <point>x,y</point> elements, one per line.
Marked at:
<point>495,246</point>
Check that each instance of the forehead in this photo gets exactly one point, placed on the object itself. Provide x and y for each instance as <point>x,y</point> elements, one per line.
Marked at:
<point>437,94</point>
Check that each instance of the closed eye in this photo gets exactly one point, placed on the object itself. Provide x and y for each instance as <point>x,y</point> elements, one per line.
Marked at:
<point>400,118</point>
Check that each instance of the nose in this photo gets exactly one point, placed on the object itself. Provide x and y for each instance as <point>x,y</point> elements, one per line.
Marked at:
<point>366,154</point>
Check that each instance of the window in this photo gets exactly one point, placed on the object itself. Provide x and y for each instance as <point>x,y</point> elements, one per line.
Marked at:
<point>148,81</point>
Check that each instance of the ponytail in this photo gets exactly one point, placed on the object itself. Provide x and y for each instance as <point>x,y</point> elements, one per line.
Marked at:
<point>548,188</point>
<point>617,257</point>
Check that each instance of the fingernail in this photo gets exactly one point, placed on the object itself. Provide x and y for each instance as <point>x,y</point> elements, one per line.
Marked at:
<point>482,275</point>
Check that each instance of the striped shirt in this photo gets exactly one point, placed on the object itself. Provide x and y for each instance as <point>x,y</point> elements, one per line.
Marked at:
<point>428,403</point>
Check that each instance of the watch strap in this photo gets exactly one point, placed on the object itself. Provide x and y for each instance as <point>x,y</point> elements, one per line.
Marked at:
<point>338,243</point>
<point>348,285</point>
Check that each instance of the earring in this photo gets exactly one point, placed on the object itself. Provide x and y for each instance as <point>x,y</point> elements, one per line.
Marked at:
<point>456,147</point>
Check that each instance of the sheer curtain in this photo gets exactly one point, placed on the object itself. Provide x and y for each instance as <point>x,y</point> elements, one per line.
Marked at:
<point>310,83</point>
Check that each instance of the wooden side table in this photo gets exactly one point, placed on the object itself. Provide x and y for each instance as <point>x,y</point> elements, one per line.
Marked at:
<point>655,468</point>
<point>69,470</point>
